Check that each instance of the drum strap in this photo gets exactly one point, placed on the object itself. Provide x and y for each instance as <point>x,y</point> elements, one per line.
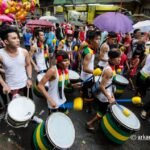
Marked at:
<point>108,85</point>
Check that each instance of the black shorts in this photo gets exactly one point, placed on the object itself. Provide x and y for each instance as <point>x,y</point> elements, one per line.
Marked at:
<point>63,110</point>
<point>100,107</point>
<point>142,84</point>
<point>87,89</point>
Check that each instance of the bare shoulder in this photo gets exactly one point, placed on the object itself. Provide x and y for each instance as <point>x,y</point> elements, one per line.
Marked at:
<point>88,56</point>
<point>51,72</point>
<point>25,52</point>
<point>108,73</point>
<point>105,47</point>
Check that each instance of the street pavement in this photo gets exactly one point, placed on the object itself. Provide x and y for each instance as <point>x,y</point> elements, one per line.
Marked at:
<point>21,138</point>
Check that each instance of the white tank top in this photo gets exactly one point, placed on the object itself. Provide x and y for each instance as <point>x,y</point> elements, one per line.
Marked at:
<point>54,92</point>
<point>67,48</point>
<point>40,60</point>
<point>15,72</point>
<point>101,97</point>
<point>104,63</point>
<point>146,69</point>
<point>85,75</point>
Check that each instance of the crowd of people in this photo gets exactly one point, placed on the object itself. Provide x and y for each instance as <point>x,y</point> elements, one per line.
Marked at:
<point>82,49</point>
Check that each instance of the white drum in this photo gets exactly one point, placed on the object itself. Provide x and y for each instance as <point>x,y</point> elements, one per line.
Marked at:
<point>60,130</point>
<point>74,77</point>
<point>118,127</point>
<point>20,111</point>
<point>131,122</point>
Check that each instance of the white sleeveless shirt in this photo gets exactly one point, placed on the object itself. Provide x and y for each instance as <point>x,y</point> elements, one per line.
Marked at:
<point>85,75</point>
<point>104,63</point>
<point>101,97</point>
<point>40,59</point>
<point>54,92</point>
<point>15,72</point>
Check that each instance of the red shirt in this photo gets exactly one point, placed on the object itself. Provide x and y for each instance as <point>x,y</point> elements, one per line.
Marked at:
<point>123,59</point>
<point>81,35</point>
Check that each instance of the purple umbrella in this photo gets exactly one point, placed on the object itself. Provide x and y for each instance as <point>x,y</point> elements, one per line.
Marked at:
<point>113,22</point>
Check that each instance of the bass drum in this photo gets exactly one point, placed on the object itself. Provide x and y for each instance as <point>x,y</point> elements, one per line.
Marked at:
<point>118,127</point>
<point>20,111</point>
<point>57,132</point>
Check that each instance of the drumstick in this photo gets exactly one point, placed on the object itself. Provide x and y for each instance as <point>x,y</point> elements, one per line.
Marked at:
<point>77,104</point>
<point>134,100</point>
<point>8,98</point>
<point>28,90</point>
<point>123,110</point>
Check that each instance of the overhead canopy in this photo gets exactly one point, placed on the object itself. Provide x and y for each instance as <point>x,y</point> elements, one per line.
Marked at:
<point>71,2</point>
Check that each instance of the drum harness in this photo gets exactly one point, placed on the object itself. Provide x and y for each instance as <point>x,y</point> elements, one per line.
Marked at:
<point>96,90</point>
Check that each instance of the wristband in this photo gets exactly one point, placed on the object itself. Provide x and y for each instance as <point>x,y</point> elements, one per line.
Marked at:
<point>29,78</point>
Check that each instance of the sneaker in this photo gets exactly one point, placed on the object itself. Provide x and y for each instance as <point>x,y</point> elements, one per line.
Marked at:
<point>143,114</point>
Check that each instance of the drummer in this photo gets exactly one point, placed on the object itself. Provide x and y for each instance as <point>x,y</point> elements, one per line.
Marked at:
<point>16,63</point>
<point>67,43</point>
<point>106,95</point>
<point>39,50</point>
<point>87,68</point>
<point>143,83</point>
<point>58,77</point>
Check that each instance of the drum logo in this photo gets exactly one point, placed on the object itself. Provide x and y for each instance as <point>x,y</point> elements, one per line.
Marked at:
<point>140,137</point>
<point>133,137</point>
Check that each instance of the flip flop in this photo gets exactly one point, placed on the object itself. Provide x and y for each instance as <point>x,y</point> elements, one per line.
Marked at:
<point>89,128</point>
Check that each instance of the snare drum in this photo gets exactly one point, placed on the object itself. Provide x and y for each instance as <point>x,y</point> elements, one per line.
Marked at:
<point>35,88</point>
<point>120,83</point>
<point>74,76</point>
<point>117,127</point>
<point>57,132</point>
<point>20,111</point>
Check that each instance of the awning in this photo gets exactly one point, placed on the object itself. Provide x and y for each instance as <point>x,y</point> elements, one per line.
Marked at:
<point>70,2</point>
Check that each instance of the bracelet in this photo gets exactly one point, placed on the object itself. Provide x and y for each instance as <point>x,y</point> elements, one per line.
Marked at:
<point>29,78</point>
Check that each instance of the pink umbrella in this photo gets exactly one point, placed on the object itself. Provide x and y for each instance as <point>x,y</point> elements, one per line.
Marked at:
<point>5,18</point>
<point>39,23</point>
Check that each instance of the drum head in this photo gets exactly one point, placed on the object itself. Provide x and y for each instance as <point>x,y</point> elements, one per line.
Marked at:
<point>73,75</point>
<point>122,80</point>
<point>21,109</point>
<point>60,130</point>
<point>39,78</point>
<point>131,122</point>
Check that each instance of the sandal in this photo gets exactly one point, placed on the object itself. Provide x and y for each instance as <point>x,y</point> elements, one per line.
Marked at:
<point>90,128</point>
